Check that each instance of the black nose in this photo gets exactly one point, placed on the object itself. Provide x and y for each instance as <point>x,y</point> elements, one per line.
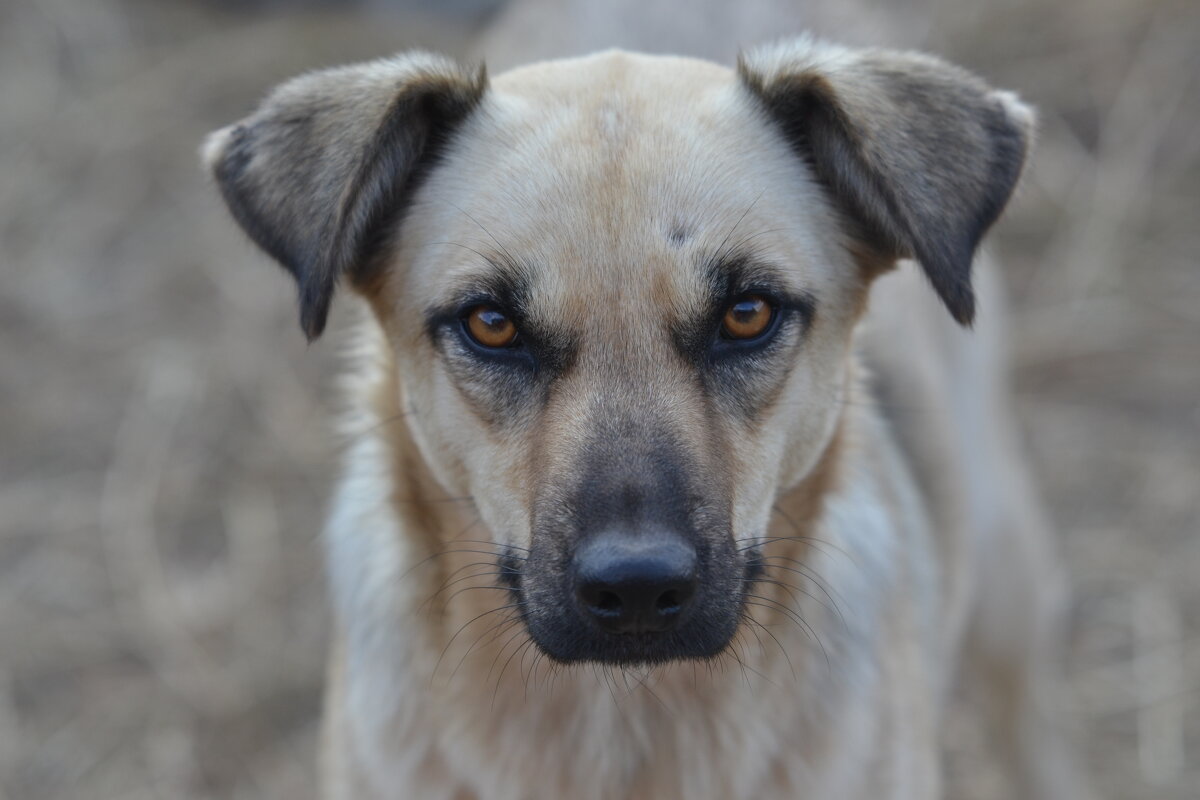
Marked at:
<point>635,583</point>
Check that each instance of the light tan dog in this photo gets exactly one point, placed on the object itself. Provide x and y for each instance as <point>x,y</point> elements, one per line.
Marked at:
<point>636,505</point>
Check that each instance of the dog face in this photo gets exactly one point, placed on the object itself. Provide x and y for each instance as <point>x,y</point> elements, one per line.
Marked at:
<point>621,290</point>
<point>671,298</point>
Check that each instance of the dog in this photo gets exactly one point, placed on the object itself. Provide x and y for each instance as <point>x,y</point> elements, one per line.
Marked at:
<point>639,500</point>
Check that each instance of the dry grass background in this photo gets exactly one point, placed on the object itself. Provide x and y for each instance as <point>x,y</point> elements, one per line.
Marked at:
<point>164,454</point>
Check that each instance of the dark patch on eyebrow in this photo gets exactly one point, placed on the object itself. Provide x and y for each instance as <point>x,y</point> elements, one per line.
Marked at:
<point>747,274</point>
<point>744,380</point>
<point>679,233</point>
<point>507,284</point>
<point>724,277</point>
<point>503,387</point>
<point>727,274</point>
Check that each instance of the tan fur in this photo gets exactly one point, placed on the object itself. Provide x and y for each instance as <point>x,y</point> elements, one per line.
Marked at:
<point>608,178</point>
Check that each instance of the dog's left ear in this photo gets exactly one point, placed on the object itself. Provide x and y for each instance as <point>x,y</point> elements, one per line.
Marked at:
<point>922,156</point>
<point>328,160</point>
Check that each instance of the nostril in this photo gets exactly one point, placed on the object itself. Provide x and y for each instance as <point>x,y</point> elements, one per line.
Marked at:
<point>607,604</point>
<point>668,602</point>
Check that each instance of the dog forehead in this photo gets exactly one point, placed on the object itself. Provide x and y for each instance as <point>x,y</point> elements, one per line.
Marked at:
<point>615,70</point>
<point>612,171</point>
<point>615,131</point>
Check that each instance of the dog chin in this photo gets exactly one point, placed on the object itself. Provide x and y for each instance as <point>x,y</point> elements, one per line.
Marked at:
<point>569,642</point>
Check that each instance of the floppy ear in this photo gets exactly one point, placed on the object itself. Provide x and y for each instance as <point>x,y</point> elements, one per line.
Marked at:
<point>921,156</point>
<point>329,159</point>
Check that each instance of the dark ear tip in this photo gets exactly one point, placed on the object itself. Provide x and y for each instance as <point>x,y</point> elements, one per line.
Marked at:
<point>312,330</point>
<point>962,308</point>
<point>313,323</point>
<point>314,313</point>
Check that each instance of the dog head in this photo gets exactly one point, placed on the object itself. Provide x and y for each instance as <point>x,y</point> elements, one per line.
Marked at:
<point>621,290</point>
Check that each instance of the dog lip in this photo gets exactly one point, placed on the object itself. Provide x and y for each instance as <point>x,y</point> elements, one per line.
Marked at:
<point>702,637</point>
<point>632,649</point>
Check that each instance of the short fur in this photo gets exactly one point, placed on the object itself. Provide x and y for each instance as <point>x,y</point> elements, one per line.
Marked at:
<point>612,205</point>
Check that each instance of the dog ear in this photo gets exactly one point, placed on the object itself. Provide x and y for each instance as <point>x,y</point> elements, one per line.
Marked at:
<point>329,159</point>
<point>921,156</point>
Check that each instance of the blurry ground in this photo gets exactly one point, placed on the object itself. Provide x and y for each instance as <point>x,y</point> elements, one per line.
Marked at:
<point>164,455</point>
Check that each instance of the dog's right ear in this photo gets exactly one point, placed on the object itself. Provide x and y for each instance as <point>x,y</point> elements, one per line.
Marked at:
<point>329,158</point>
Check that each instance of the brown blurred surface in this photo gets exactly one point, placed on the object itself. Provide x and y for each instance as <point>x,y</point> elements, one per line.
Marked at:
<point>165,452</point>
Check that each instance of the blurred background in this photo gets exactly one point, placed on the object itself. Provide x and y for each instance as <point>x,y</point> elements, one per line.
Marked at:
<point>165,448</point>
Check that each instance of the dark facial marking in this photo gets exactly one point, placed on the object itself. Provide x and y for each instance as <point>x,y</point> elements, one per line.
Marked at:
<point>637,495</point>
<point>679,234</point>
<point>502,384</point>
<point>744,373</point>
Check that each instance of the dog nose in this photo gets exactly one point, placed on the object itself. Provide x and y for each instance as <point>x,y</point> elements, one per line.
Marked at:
<point>635,583</point>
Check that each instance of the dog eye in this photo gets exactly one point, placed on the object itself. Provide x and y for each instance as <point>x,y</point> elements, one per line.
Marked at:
<point>489,327</point>
<point>747,318</point>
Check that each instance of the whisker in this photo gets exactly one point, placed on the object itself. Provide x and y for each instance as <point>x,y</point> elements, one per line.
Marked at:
<point>472,588</point>
<point>356,437</point>
<point>598,670</point>
<point>491,571</point>
<point>538,657</point>
<point>515,636</point>
<point>462,550</point>
<point>732,650</point>
<point>500,678</point>
<point>490,635</point>
<point>791,589</point>
<point>762,647</point>
<point>464,627</point>
<point>720,252</point>
<point>775,508</point>
<point>499,545</point>
<point>503,249</point>
<point>486,259</point>
<point>763,541</point>
<point>775,605</point>
<point>525,677</point>
<point>642,683</point>
<point>746,665</point>
<point>778,643</point>
<point>498,569</point>
<point>812,578</point>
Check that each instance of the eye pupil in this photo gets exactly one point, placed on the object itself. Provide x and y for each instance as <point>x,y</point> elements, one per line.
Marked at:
<point>747,318</point>
<point>490,327</point>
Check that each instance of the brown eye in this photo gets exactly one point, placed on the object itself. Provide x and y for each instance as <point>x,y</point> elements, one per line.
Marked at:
<point>747,318</point>
<point>490,328</point>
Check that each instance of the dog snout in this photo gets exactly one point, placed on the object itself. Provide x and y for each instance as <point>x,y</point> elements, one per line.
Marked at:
<point>635,582</point>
